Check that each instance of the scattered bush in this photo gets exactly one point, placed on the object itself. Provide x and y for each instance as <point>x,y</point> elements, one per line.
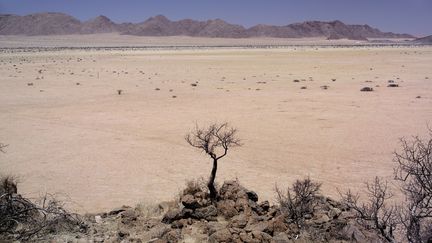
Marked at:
<point>366,89</point>
<point>375,213</point>
<point>299,200</point>
<point>414,172</point>
<point>23,219</point>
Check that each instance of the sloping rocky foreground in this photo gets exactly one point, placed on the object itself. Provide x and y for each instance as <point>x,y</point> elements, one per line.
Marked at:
<point>237,216</point>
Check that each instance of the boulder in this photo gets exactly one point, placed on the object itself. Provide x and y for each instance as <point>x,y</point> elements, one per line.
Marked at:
<point>262,226</point>
<point>223,235</point>
<point>239,221</point>
<point>334,213</point>
<point>265,205</point>
<point>213,227</point>
<point>247,238</point>
<point>190,202</point>
<point>176,214</point>
<point>252,196</point>
<point>352,233</point>
<point>173,236</point>
<point>227,208</point>
<point>279,224</point>
<point>261,236</point>
<point>281,237</point>
<point>207,213</point>
<point>321,219</point>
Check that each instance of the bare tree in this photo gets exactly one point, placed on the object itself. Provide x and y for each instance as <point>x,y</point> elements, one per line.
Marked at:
<point>215,140</point>
<point>414,171</point>
<point>375,212</point>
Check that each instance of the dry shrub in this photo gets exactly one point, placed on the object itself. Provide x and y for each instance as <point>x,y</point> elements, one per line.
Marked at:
<point>299,200</point>
<point>195,185</point>
<point>375,212</point>
<point>23,219</point>
<point>414,172</point>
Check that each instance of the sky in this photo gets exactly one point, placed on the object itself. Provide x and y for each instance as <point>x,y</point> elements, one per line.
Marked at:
<point>401,16</point>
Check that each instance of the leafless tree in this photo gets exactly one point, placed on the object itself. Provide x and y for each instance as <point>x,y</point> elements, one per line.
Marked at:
<point>375,212</point>
<point>414,171</point>
<point>299,200</point>
<point>215,140</point>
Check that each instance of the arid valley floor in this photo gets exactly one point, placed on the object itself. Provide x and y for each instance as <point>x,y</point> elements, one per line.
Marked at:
<point>69,132</point>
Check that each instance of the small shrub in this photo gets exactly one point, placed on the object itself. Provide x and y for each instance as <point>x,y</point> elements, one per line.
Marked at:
<point>375,213</point>
<point>194,186</point>
<point>366,89</point>
<point>299,200</point>
<point>392,85</point>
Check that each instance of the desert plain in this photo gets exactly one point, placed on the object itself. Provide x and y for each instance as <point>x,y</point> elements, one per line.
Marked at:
<point>70,132</point>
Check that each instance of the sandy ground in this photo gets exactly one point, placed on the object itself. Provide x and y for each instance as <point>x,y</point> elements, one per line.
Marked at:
<point>104,150</point>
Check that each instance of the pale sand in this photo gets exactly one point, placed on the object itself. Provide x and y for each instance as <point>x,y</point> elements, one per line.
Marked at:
<point>106,150</point>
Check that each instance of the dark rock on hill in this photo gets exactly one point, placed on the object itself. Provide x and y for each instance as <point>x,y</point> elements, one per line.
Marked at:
<point>424,40</point>
<point>100,24</point>
<point>59,24</point>
<point>39,24</point>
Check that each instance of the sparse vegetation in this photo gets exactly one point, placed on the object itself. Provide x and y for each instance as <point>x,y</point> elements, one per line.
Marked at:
<point>366,89</point>
<point>375,212</point>
<point>414,172</point>
<point>299,200</point>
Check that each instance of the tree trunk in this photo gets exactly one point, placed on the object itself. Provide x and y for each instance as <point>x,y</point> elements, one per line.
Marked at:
<point>210,184</point>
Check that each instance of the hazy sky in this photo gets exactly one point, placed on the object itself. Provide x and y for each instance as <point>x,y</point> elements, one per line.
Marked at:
<point>403,16</point>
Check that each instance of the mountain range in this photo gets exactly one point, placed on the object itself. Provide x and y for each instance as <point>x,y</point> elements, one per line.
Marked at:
<point>61,24</point>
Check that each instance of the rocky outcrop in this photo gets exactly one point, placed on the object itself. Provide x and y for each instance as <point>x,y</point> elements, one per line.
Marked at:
<point>236,216</point>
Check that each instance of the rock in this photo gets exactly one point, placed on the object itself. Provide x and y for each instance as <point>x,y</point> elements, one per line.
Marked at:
<point>261,236</point>
<point>351,232</point>
<point>239,221</point>
<point>213,227</point>
<point>221,236</point>
<point>227,208</point>
<point>241,204</point>
<point>245,237</point>
<point>265,205</point>
<point>173,236</point>
<point>190,202</point>
<point>128,216</point>
<point>159,230</point>
<point>180,223</point>
<point>122,234</point>
<point>232,190</point>
<point>252,196</point>
<point>118,210</point>
<point>281,237</point>
<point>321,219</point>
<point>263,226</point>
<point>171,216</point>
<point>279,224</point>
<point>98,219</point>
<point>207,213</point>
<point>334,213</point>
<point>366,89</point>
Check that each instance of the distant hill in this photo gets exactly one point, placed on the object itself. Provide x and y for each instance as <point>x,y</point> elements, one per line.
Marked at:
<point>424,40</point>
<point>61,24</point>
